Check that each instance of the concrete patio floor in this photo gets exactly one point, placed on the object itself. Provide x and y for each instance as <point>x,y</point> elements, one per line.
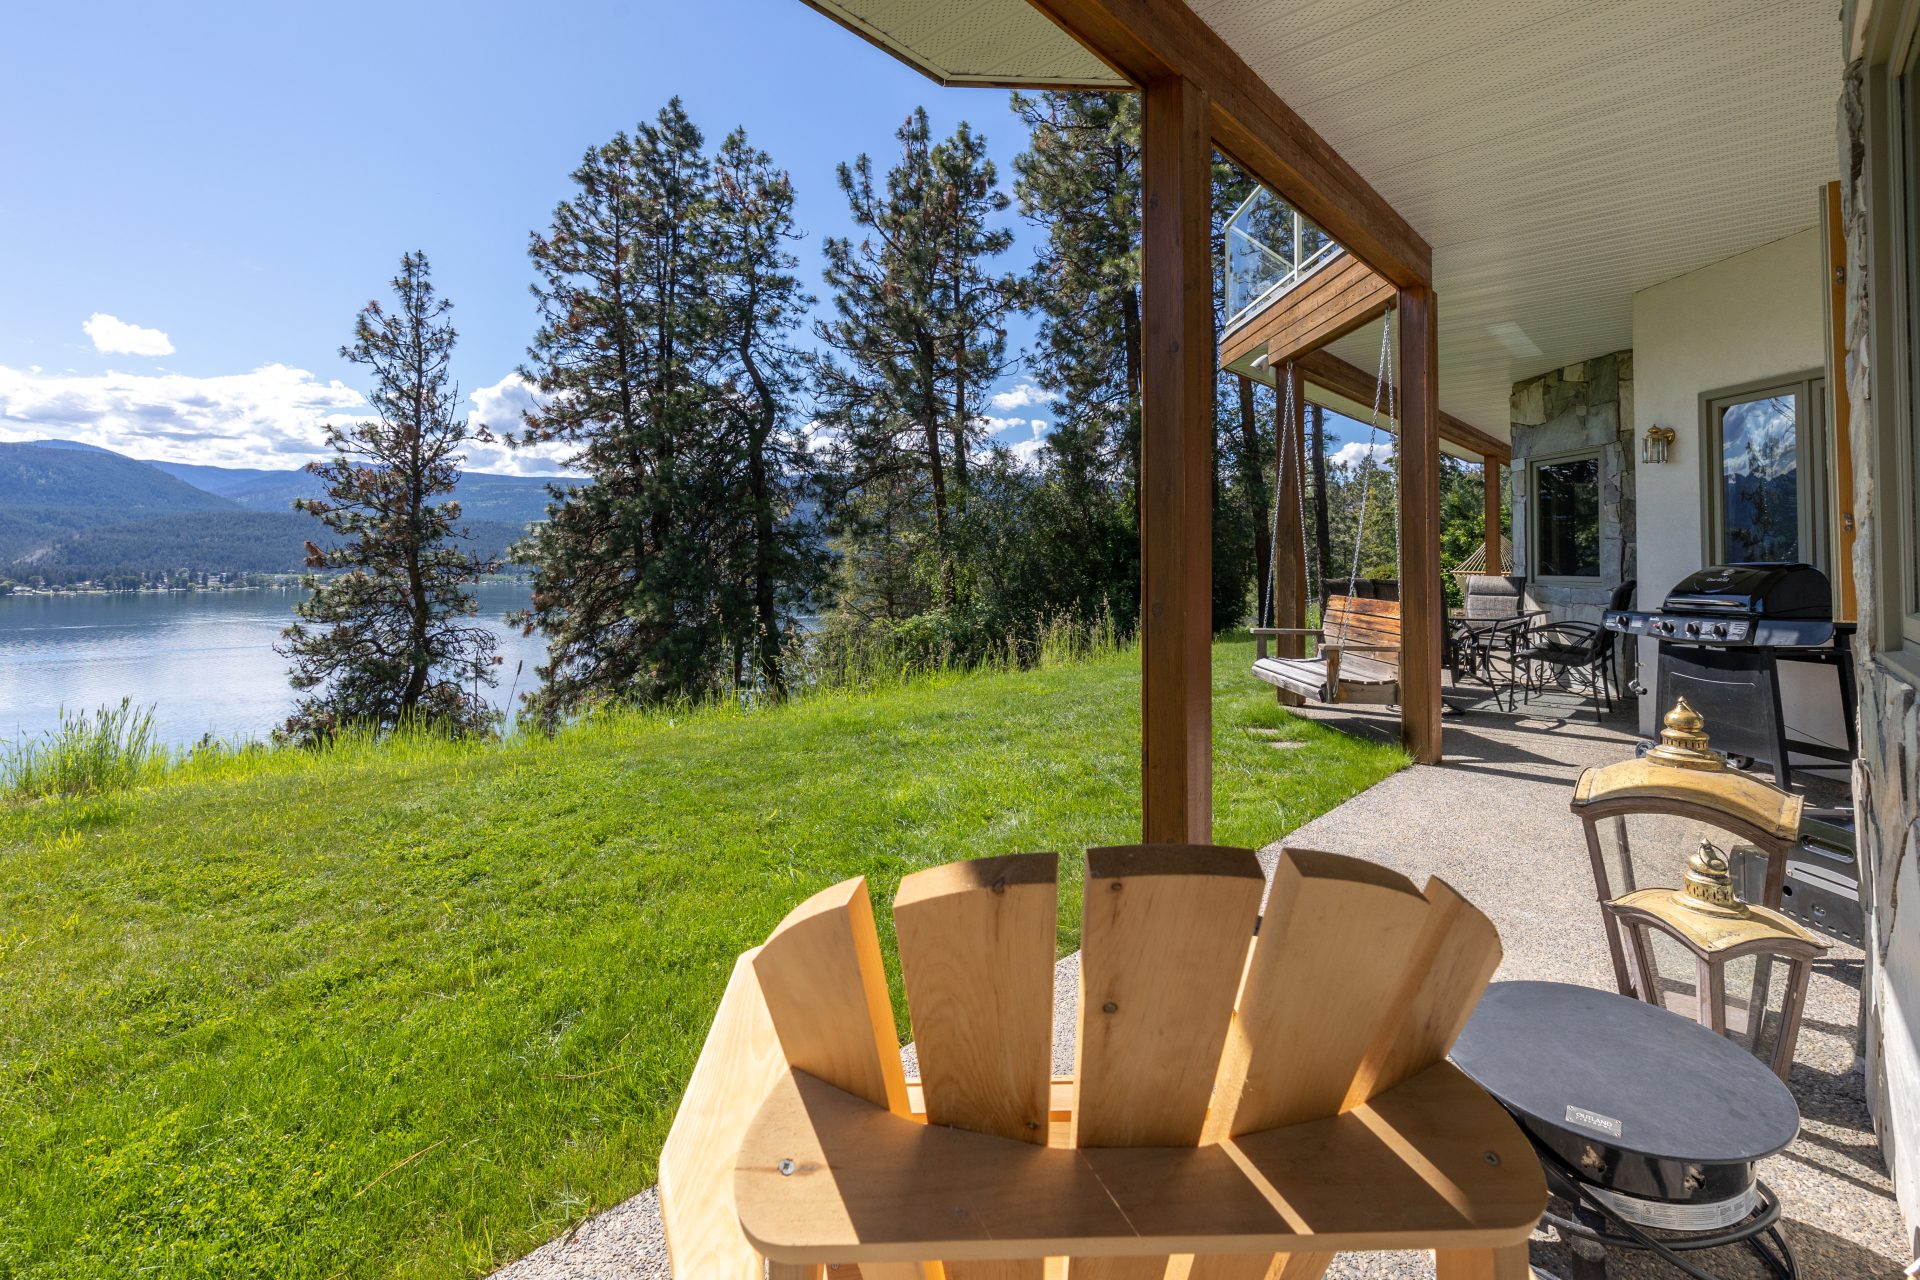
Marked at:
<point>1493,822</point>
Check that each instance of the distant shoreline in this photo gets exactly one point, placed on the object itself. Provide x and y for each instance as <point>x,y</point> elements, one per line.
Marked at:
<point>285,582</point>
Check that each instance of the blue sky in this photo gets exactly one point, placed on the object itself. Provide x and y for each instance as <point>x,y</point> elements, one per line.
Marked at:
<point>195,200</point>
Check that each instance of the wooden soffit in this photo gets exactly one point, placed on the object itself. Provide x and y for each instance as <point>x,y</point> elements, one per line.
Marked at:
<point>1006,44</point>
<point>1340,297</point>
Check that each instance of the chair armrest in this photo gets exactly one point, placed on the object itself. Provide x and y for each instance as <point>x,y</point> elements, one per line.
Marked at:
<point>1263,634</point>
<point>826,1177</point>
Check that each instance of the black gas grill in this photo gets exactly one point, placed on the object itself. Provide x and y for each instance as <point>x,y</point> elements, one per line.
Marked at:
<point>1723,633</point>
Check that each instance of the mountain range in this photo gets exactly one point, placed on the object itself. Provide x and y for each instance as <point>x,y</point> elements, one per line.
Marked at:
<point>71,513</point>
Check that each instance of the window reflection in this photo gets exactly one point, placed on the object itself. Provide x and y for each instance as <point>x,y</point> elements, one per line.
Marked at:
<point>1760,479</point>
<point>1567,511</point>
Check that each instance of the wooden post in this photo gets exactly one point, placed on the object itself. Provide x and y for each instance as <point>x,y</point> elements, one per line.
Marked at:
<point>1422,603</point>
<point>1289,570</point>
<point>1490,471</point>
<point>1176,465</point>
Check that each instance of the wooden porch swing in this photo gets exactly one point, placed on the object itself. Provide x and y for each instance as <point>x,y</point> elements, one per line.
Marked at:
<point>1357,644</point>
<point>1258,1103</point>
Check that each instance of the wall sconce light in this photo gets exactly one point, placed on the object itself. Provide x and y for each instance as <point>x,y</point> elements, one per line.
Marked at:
<point>1657,445</point>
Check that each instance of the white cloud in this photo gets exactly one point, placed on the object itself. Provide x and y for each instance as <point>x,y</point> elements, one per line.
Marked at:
<point>1030,436</point>
<point>1021,396</point>
<point>273,417</point>
<point>115,336</point>
<point>1351,453</point>
<point>502,407</point>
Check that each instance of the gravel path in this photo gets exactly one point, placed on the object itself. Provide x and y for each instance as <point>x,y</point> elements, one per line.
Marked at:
<point>1493,822</point>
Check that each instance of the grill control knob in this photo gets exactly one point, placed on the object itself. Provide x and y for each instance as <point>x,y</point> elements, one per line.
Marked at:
<point>1720,629</point>
<point>1693,628</point>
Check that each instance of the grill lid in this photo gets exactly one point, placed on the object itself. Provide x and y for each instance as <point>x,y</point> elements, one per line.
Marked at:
<point>1783,591</point>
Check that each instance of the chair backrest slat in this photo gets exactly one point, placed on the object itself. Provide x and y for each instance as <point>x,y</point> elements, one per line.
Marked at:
<point>1454,959</point>
<point>826,992</point>
<point>1355,621</point>
<point>1163,945</point>
<point>1339,935</point>
<point>976,949</point>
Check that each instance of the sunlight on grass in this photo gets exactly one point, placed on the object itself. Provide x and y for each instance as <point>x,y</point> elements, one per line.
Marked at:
<point>411,1008</point>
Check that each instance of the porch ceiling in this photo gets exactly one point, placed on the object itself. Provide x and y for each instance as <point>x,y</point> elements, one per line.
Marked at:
<point>1558,155</point>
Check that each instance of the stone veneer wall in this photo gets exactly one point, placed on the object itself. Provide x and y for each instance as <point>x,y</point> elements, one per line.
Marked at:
<point>1583,406</point>
<point>1886,790</point>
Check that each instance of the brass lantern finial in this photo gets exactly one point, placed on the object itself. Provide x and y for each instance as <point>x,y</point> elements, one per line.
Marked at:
<point>1683,742</point>
<point>1709,886</point>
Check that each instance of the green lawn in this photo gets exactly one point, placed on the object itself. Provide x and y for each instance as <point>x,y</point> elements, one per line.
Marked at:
<point>412,1010</point>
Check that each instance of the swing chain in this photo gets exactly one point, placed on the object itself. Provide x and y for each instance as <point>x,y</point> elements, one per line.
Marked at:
<point>1385,384</point>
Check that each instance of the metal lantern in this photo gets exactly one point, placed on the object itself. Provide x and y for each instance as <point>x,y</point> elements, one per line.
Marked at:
<point>1681,777</point>
<point>1657,444</point>
<point>1715,929</point>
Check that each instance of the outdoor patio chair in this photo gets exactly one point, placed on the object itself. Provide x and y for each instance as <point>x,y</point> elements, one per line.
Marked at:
<point>1583,652</point>
<point>1487,632</point>
<point>1233,1098</point>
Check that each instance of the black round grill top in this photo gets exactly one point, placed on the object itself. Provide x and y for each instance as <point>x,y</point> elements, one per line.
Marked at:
<point>1624,1075</point>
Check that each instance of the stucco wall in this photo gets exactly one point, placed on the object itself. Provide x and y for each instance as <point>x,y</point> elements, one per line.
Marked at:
<point>1756,315</point>
<point>1886,778</point>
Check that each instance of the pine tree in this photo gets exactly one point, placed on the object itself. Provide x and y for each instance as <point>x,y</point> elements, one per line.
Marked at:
<point>388,640</point>
<point>1079,179</point>
<point>917,329</point>
<point>1243,445</point>
<point>758,304</point>
<point>664,358</point>
<point>627,588</point>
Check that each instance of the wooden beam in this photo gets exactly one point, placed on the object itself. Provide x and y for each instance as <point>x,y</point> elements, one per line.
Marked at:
<point>1176,466</point>
<point>1490,477</point>
<point>1421,598</point>
<point>1328,305</point>
<point>1153,40</point>
<point>1324,369</point>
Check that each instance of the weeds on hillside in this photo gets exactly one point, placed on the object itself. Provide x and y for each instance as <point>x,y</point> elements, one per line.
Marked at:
<point>112,749</point>
<point>884,654</point>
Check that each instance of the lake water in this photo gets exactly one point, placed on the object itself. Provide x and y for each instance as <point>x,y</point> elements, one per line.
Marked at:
<point>203,660</point>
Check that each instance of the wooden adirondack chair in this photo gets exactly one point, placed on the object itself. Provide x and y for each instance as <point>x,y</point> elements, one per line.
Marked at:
<point>1257,1104</point>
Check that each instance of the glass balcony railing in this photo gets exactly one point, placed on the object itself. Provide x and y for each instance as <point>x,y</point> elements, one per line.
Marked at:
<point>1270,248</point>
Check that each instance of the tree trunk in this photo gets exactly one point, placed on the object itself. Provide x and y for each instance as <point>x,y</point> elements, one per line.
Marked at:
<point>1130,331</point>
<point>766,614</point>
<point>1257,498</point>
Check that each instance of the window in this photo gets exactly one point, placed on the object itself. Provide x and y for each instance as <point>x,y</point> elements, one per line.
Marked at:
<point>1566,517</point>
<point>1766,479</point>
